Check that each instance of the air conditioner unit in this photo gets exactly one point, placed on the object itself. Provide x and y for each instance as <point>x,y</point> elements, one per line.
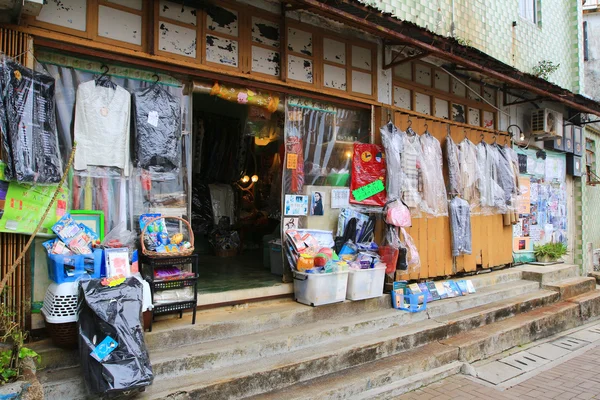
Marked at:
<point>546,124</point>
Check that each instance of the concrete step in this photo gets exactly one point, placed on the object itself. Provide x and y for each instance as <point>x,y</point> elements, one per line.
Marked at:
<point>549,273</point>
<point>388,332</point>
<point>255,319</point>
<point>589,304</point>
<point>572,287</point>
<point>427,363</point>
<point>373,359</point>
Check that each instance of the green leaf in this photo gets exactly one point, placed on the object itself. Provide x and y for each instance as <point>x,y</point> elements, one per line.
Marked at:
<point>25,352</point>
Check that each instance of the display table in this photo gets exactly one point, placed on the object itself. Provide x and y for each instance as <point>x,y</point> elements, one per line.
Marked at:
<point>148,266</point>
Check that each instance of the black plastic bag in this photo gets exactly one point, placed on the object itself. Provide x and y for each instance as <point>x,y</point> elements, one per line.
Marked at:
<point>202,211</point>
<point>30,125</point>
<point>106,314</point>
<point>5,154</point>
<point>157,119</point>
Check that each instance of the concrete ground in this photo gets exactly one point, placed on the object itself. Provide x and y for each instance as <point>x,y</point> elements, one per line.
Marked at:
<point>575,375</point>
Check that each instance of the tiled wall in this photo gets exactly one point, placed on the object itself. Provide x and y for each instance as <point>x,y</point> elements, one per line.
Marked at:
<point>487,26</point>
<point>590,198</point>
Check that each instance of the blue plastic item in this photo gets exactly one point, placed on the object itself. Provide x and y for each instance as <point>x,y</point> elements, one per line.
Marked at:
<point>70,268</point>
<point>412,300</point>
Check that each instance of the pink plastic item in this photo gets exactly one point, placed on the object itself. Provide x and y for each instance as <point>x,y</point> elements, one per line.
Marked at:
<point>398,214</point>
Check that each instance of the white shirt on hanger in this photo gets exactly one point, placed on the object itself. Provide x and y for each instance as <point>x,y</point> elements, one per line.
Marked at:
<point>102,127</point>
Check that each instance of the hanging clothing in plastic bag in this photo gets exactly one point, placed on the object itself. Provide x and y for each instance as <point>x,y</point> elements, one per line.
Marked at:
<point>102,127</point>
<point>30,136</point>
<point>455,184</point>
<point>506,175</point>
<point>492,194</point>
<point>435,199</point>
<point>513,160</point>
<point>5,152</point>
<point>157,121</point>
<point>112,351</point>
<point>412,173</point>
<point>460,226</point>
<point>393,145</point>
<point>469,173</point>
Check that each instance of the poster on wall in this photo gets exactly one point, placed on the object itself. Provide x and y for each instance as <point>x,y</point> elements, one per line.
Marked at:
<point>24,207</point>
<point>316,204</point>
<point>291,223</point>
<point>340,198</point>
<point>524,198</point>
<point>296,205</point>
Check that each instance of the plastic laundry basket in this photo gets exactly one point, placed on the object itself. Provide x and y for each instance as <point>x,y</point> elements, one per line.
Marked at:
<point>60,313</point>
<point>319,289</point>
<point>365,283</point>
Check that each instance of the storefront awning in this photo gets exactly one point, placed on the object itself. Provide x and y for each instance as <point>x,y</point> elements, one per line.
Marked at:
<point>384,25</point>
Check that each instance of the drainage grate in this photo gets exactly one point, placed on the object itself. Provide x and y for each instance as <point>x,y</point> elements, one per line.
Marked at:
<point>595,329</point>
<point>525,361</point>
<point>570,343</point>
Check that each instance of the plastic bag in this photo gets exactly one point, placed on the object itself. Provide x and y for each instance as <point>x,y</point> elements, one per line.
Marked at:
<point>397,214</point>
<point>112,351</point>
<point>460,226</point>
<point>120,237</point>
<point>435,199</point>
<point>30,124</point>
<point>412,257</point>
<point>470,174</point>
<point>393,145</point>
<point>157,123</point>
<point>412,171</point>
<point>455,182</point>
<point>491,193</point>
<point>368,167</point>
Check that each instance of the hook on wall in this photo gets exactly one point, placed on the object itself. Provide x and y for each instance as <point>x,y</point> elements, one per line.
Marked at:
<point>426,127</point>
<point>156,77</point>
<point>482,137</point>
<point>409,123</point>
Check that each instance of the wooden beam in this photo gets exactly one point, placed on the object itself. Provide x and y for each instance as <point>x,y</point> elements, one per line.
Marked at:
<point>405,60</point>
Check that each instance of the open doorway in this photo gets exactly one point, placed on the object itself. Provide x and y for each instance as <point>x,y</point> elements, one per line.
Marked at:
<point>236,197</point>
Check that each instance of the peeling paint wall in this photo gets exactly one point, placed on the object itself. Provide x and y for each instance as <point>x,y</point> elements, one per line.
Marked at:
<point>68,13</point>
<point>177,39</point>
<point>119,25</point>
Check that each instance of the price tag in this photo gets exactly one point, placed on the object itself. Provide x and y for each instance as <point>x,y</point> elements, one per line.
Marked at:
<point>292,161</point>
<point>368,190</point>
<point>153,118</point>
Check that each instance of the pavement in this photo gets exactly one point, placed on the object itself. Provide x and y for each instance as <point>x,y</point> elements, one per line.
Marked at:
<point>562,368</point>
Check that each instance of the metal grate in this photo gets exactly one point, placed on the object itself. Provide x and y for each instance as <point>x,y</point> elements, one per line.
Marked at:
<point>17,294</point>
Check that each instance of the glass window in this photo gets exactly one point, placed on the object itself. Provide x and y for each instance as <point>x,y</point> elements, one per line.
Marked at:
<point>441,108</point>
<point>442,81</point>
<point>528,10</point>
<point>423,74</point>
<point>402,98</point>
<point>423,103</point>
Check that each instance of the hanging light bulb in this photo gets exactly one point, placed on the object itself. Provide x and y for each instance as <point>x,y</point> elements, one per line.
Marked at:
<point>245,179</point>
<point>348,154</point>
<point>254,178</point>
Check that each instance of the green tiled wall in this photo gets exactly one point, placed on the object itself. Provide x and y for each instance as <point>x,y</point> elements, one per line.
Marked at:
<point>487,25</point>
<point>590,198</point>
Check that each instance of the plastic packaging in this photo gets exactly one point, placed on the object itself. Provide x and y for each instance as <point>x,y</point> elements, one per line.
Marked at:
<point>492,195</point>
<point>435,199</point>
<point>365,283</point>
<point>368,169</point>
<point>412,171</point>
<point>398,214</point>
<point>157,123</point>
<point>470,174</point>
<point>30,124</point>
<point>113,314</point>
<point>412,257</point>
<point>460,226</point>
<point>294,172</point>
<point>455,182</point>
<point>393,145</point>
<point>506,175</point>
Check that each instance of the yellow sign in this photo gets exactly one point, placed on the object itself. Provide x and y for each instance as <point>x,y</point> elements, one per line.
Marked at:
<point>292,161</point>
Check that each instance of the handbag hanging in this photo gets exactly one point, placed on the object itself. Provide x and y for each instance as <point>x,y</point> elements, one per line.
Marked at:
<point>397,213</point>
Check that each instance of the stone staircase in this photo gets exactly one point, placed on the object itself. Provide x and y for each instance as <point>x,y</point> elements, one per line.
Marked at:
<point>359,350</point>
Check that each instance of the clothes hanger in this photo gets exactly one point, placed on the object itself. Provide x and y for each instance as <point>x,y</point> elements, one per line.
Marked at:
<point>482,138</point>
<point>427,130</point>
<point>410,130</point>
<point>390,125</point>
<point>104,80</point>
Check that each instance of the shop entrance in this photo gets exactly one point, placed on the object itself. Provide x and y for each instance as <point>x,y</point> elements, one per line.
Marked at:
<point>236,198</point>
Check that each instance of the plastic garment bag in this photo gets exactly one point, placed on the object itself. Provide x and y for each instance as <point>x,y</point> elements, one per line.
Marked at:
<point>491,193</point>
<point>470,173</point>
<point>412,256</point>
<point>29,133</point>
<point>460,226</point>
<point>393,144</point>
<point>411,170</point>
<point>157,122</point>
<point>455,184</point>
<point>112,351</point>
<point>506,176</point>
<point>435,199</point>
<point>513,160</point>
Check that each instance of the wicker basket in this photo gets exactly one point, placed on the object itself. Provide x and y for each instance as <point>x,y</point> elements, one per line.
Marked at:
<point>63,335</point>
<point>154,254</point>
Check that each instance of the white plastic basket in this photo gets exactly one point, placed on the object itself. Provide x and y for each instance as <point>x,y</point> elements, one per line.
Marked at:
<point>60,303</point>
<point>365,283</point>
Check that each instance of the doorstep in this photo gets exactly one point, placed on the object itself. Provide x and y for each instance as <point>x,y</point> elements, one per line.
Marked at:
<point>245,295</point>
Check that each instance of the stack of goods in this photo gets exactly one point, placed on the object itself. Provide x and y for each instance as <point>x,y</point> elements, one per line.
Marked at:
<point>426,292</point>
<point>72,253</point>
<point>156,238</point>
<point>310,252</point>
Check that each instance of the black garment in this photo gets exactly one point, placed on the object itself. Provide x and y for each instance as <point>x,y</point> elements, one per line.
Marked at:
<point>318,208</point>
<point>157,121</point>
<point>113,311</point>
<point>30,125</point>
<point>460,226</point>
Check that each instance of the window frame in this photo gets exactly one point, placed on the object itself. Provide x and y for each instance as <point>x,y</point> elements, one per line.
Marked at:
<point>535,10</point>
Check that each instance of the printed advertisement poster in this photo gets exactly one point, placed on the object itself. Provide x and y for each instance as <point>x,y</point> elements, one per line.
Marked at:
<point>524,199</point>
<point>340,198</point>
<point>24,206</point>
<point>296,205</point>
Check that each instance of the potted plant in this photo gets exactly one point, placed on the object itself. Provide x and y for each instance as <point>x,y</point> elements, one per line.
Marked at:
<point>549,252</point>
